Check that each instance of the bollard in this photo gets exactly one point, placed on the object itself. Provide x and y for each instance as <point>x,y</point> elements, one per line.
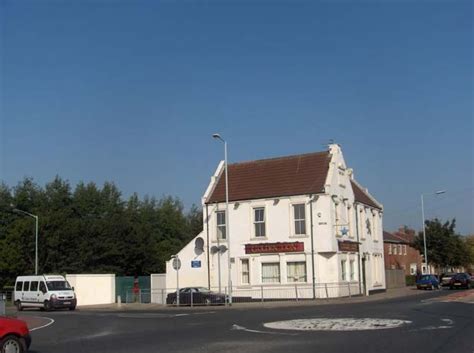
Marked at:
<point>119,301</point>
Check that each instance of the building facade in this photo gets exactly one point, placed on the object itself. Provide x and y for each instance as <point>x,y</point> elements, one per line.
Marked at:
<point>294,222</point>
<point>399,254</point>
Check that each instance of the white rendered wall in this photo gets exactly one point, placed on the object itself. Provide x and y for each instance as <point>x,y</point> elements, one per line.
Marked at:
<point>93,289</point>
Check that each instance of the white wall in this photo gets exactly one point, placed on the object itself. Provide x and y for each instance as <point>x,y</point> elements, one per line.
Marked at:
<point>93,289</point>
<point>158,288</point>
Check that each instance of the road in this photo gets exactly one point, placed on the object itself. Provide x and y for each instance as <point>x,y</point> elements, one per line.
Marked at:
<point>423,323</point>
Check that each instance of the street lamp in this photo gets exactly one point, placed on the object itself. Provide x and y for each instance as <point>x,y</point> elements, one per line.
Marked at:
<point>229,280</point>
<point>16,210</point>
<point>424,227</point>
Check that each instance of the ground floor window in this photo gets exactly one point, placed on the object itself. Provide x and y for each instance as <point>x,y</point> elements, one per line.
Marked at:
<point>296,271</point>
<point>245,271</point>
<point>271,272</point>
<point>352,270</point>
<point>343,270</point>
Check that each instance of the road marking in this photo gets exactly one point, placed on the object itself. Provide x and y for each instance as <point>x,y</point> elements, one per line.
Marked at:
<point>340,324</point>
<point>241,328</point>
<point>449,324</point>
<point>46,325</point>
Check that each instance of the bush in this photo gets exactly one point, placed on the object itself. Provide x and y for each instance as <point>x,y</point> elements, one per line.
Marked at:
<point>410,280</point>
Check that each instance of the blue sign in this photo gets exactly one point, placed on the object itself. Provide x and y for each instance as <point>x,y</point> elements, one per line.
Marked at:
<point>196,263</point>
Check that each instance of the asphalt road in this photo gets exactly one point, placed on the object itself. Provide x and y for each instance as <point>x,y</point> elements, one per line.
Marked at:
<point>429,325</point>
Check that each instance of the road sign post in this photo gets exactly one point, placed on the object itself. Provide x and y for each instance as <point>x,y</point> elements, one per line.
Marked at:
<point>177,265</point>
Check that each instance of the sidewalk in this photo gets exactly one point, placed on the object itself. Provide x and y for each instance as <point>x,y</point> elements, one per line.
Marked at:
<point>389,294</point>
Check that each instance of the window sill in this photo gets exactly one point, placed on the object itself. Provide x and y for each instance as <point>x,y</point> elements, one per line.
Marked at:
<point>258,238</point>
<point>219,241</point>
<point>376,284</point>
<point>296,236</point>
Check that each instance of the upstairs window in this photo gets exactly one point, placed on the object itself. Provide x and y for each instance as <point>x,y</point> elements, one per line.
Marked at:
<point>221,224</point>
<point>300,219</point>
<point>259,221</point>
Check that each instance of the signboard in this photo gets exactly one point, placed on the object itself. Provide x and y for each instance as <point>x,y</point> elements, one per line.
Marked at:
<point>349,246</point>
<point>265,248</point>
<point>176,264</point>
<point>195,263</point>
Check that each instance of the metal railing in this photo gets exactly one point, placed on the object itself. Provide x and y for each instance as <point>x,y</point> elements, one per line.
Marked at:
<point>195,296</point>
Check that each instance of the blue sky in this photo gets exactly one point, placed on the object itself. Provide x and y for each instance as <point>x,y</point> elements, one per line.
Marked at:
<point>131,91</point>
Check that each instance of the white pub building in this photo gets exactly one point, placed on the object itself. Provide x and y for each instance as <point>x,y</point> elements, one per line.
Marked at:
<point>299,226</point>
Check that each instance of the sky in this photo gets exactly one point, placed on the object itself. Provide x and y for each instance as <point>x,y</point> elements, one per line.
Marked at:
<point>132,91</point>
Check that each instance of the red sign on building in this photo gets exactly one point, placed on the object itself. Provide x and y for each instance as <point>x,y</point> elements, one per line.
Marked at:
<point>349,246</point>
<point>265,248</point>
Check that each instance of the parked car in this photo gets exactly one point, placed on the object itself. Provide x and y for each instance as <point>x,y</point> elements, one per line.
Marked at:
<point>427,282</point>
<point>14,335</point>
<point>45,292</point>
<point>461,280</point>
<point>196,295</point>
<point>445,278</point>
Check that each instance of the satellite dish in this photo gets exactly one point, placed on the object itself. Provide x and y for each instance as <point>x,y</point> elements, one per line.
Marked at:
<point>214,249</point>
<point>199,244</point>
<point>222,248</point>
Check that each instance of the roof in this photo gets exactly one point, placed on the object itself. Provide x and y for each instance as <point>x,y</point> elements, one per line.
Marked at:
<point>392,238</point>
<point>284,176</point>
<point>362,196</point>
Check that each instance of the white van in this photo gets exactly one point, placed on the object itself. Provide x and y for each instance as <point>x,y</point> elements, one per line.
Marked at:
<point>46,292</point>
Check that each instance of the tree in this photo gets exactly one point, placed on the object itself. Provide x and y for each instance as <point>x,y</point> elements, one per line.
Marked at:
<point>445,248</point>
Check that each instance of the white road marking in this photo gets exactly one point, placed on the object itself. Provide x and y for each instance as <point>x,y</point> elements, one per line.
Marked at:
<point>340,324</point>
<point>46,325</point>
<point>449,322</point>
<point>241,328</point>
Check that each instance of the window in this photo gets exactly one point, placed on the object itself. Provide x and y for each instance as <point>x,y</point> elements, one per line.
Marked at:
<point>352,270</point>
<point>42,287</point>
<point>18,287</point>
<point>400,249</point>
<point>245,271</point>
<point>221,232</point>
<point>300,219</point>
<point>390,249</point>
<point>404,249</point>
<point>395,249</point>
<point>271,272</point>
<point>343,270</point>
<point>34,286</point>
<point>259,221</point>
<point>26,286</point>
<point>296,271</point>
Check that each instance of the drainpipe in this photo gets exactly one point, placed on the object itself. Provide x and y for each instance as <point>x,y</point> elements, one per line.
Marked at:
<point>208,253</point>
<point>312,245</point>
<point>358,253</point>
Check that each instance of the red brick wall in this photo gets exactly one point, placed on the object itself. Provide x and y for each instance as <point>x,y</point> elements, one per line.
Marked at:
<point>402,261</point>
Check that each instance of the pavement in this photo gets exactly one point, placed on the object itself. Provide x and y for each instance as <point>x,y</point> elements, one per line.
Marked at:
<point>404,320</point>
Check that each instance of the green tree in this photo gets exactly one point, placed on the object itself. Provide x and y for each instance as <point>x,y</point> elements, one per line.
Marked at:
<point>445,248</point>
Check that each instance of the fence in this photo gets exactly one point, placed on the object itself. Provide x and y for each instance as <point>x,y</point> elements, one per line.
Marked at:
<point>395,278</point>
<point>194,296</point>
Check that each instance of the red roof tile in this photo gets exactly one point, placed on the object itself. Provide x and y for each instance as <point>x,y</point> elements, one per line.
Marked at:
<point>285,176</point>
<point>362,196</point>
<point>392,238</point>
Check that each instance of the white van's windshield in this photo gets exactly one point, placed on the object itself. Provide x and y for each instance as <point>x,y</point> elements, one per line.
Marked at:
<point>58,285</point>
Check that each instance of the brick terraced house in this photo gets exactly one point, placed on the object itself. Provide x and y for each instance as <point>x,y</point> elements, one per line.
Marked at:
<point>399,254</point>
<point>298,226</point>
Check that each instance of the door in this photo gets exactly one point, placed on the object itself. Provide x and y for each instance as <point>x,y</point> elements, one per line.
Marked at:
<point>34,292</point>
<point>43,292</point>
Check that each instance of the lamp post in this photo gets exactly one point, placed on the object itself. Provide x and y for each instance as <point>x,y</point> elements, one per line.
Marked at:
<point>229,280</point>
<point>424,227</point>
<point>16,210</point>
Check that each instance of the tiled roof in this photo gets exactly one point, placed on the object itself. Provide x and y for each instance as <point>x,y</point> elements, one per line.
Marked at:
<point>362,196</point>
<point>392,238</point>
<point>285,176</point>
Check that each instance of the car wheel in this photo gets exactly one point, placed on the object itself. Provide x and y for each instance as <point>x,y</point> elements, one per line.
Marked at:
<point>13,344</point>
<point>72,308</point>
<point>19,307</point>
<point>207,301</point>
<point>174,302</point>
<point>47,305</point>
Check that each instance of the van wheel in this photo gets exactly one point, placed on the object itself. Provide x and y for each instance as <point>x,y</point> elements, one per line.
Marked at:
<point>47,305</point>
<point>19,307</point>
<point>13,344</point>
